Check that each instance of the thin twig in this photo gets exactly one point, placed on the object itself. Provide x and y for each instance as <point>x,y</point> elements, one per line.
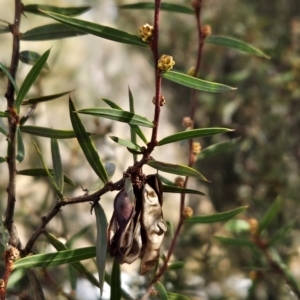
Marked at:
<point>191,159</point>
<point>12,124</point>
<point>56,209</point>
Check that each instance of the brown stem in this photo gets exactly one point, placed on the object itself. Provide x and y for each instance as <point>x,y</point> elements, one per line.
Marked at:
<point>154,48</point>
<point>12,124</point>
<point>191,160</point>
<point>56,209</point>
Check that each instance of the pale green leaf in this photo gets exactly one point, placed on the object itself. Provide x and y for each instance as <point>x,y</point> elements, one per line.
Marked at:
<point>44,98</point>
<point>67,11</point>
<point>191,134</point>
<point>101,242</point>
<point>175,169</point>
<point>30,58</point>
<point>234,44</point>
<point>86,144</point>
<point>31,78</point>
<point>38,172</point>
<point>117,115</point>
<point>170,7</point>
<point>57,165</point>
<point>98,30</point>
<point>56,258</point>
<point>11,79</point>
<point>219,217</point>
<point>20,146</point>
<point>115,284</point>
<point>50,32</point>
<point>196,83</point>
<point>48,132</point>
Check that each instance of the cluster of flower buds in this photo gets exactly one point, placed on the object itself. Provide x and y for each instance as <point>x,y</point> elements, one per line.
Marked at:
<point>165,63</point>
<point>146,32</point>
<point>137,228</point>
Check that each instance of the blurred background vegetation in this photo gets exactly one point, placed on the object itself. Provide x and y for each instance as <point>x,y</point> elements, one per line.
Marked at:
<point>262,163</point>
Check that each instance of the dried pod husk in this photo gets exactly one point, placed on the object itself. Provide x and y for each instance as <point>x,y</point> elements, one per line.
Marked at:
<point>153,225</point>
<point>124,237</point>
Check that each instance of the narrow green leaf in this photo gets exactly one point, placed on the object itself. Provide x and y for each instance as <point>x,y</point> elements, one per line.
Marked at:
<point>171,7</point>
<point>234,44</point>
<point>125,295</point>
<point>57,165</point>
<point>42,173</point>
<point>50,32</point>
<point>2,159</point>
<point>20,146</point>
<point>234,242</point>
<point>44,98</point>
<point>11,79</point>
<point>282,233</point>
<point>4,114</point>
<point>54,259</point>
<point>161,290</point>
<point>136,128</point>
<point>219,217</point>
<point>86,144</point>
<point>3,127</point>
<point>101,243</point>
<point>175,169</point>
<point>30,78</point>
<point>191,134</point>
<point>196,83</point>
<point>111,104</point>
<point>176,265</point>
<point>132,132</point>
<point>49,132</point>
<point>176,189</point>
<point>52,181</point>
<point>30,58</point>
<point>117,115</point>
<point>174,296</point>
<point>59,246</point>
<point>115,284</point>
<point>166,181</point>
<point>219,148</point>
<point>99,30</point>
<point>269,216</point>
<point>126,143</point>
<point>72,277</point>
<point>4,29</point>
<point>35,286</point>
<point>67,11</point>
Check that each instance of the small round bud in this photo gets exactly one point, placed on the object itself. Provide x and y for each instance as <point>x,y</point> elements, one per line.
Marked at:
<point>191,71</point>
<point>253,227</point>
<point>196,148</point>
<point>146,32</point>
<point>162,100</point>
<point>206,31</point>
<point>165,63</point>
<point>179,181</point>
<point>187,212</point>
<point>187,122</point>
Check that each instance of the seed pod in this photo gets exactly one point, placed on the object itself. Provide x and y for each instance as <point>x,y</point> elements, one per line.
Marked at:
<point>124,237</point>
<point>153,225</point>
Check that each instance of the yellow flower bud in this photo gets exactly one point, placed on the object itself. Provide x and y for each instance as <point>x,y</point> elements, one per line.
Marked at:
<point>179,181</point>
<point>187,122</point>
<point>166,62</point>
<point>196,148</point>
<point>187,212</point>
<point>146,32</point>
<point>206,31</point>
